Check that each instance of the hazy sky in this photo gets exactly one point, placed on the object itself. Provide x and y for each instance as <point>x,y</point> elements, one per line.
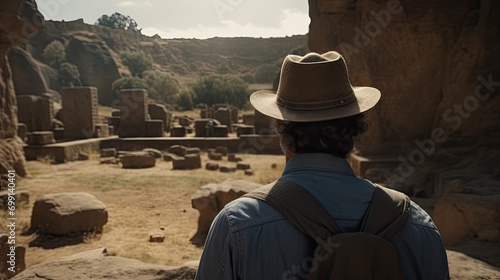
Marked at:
<point>192,18</point>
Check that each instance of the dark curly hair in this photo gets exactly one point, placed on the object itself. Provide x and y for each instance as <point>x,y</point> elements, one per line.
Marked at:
<point>331,136</point>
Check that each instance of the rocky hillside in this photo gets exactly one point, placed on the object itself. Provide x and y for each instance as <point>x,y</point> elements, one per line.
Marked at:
<point>96,52</point>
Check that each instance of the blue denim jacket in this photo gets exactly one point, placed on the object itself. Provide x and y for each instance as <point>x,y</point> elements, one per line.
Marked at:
<point>251,240</point>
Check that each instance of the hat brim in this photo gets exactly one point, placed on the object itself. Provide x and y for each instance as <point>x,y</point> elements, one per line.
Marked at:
<point>264,101</point>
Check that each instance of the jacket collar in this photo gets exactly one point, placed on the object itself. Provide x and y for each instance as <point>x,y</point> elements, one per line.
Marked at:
<point>318,162</point>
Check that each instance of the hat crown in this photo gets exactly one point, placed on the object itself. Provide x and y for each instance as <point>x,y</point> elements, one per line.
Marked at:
<point>314,87</point>
<point>313,57</point>
<point>314,82</point>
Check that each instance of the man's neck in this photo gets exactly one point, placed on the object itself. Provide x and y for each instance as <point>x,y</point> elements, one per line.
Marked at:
<point>288,155</point>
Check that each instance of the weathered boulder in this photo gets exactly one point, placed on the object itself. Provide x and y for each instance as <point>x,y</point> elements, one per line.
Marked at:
<point>212,166</point>
<point>189,161</point>
<point>243,166</point>
<point>157,237</point>
<point>249,172</point>
<point>137,160</point>
<point>153,152</point>
<point>98,264</point>
<point>211,198</point>
<point>193,150</point>
<point>12,262</point>
<point>178,150</point>
<point>460,217</point>
<point>227,169</point>
<point>68,213</point>
<point>214,156</point>
<point>170,156</point>
<point>221,150</point>
<point>233,158</point>
<point>108,152</point>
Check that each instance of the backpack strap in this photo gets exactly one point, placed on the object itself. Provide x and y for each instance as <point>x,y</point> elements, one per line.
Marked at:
<point>299,206</point>
<point>387,213</point>
<point>385,216</point>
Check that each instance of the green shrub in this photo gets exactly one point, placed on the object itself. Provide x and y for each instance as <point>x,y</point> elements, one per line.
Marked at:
<point>161,86</point>
<point>185,100</point>
<point>54,54</point>
<point>68,74</point>
<point>214,89</point>
<point>137,62</point>
<point>126,83</point>
<point>118,21</point>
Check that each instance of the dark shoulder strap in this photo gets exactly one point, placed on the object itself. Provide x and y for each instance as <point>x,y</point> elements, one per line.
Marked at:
<point>299,206</point>
<point>385,216</point>
<point>387,213</point>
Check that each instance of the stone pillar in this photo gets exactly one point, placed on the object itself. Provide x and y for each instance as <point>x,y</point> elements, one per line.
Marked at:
<point>134,112</point>
<point>79,112</point>
<point>223,115</point>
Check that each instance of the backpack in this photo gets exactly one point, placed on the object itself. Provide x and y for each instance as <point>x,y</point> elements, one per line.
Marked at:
<point>366,254</point>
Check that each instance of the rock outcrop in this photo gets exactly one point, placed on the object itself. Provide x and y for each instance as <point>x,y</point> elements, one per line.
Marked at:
<point>18,20</point>
<point>97,66</point>
<point>211,198</point>
<point>461,217</point>
<point>435,63</point>
<point>27,73</point>
<point>98,264</point>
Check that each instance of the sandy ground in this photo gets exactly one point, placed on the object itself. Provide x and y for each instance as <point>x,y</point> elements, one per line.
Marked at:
<point>141,202</point>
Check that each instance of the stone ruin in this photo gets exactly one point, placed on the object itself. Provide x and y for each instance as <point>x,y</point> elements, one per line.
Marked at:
<point>138,118</point>
<point>79,112</point>
<point>78,118</point>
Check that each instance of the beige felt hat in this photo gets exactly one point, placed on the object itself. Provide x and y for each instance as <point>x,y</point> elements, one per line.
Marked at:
<point>314,87</point>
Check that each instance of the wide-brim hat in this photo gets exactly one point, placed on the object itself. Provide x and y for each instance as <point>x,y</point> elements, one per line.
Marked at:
<point>314,87</point>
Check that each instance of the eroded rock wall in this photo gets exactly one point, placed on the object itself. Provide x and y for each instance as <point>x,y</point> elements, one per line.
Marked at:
<point>436,63</point>
<point>18,20</point>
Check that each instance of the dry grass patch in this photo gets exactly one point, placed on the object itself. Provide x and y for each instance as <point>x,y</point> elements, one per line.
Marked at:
<point>139,202</point>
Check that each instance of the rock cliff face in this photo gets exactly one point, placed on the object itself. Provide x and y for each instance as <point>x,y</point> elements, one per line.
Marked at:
<point>18,20</point>
<point>25,68</point>
<point>96,52</point>
<point>96,65</point>
<point>436,63</point>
